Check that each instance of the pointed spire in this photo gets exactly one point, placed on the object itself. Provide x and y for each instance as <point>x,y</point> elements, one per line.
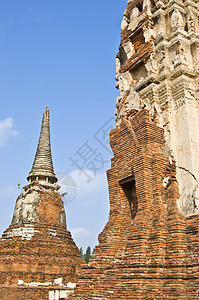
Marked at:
<point>42,169</point>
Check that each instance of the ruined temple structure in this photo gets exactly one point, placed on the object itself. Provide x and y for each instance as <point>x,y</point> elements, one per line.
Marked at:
<point>149,249</point>
<point>38,258</point>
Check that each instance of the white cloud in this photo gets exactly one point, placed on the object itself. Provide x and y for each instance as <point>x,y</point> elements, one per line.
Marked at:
<point>7,130</point>
<point>80,232</point>
<point>89,184</point>
<point>84,186</point>
<point>89,210</point>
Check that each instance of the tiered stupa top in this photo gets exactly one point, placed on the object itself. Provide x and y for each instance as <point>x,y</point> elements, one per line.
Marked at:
<point>42,168</point>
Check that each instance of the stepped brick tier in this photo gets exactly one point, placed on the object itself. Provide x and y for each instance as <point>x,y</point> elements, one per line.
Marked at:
<point>148,249</point>
<point>38,257</point>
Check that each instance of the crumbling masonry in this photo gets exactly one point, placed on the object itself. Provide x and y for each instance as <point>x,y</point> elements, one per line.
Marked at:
<point>149,248</point>
<point>38,258</point>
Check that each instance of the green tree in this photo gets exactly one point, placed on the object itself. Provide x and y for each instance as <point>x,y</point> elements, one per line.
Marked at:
<point>81,253</point>
<point>87,255</point>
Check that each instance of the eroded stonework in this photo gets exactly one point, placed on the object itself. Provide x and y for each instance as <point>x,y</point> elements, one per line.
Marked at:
<point>38,257</point>
<point>148,249</point>
<point>28,207</point>
<point>157,68</point>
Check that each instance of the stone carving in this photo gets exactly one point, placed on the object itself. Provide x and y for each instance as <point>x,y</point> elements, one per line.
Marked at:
<point>188,98</point>
<point>118,65</point>
<point>147,33</point>
<point>191,22</point>
<point>180,57</point>
<point>147,6</point>
<point>135,12</point>
<point>129,49</point>
<point>176,20</point>
<point>124,82</point>
<point>118,100</point>
<point>151,64</point>
<point>124,23</point>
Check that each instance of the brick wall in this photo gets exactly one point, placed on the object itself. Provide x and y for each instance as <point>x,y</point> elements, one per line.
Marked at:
<point>39,254</point>
<point>147,250</point>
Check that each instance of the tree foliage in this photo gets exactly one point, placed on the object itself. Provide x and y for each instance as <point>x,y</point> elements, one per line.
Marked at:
<point>87,255</point>
<point>81,253</point>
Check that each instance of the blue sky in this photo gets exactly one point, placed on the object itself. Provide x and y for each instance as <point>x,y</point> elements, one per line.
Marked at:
<point>59,54</point>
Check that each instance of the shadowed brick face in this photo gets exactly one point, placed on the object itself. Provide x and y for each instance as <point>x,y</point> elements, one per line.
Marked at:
<point>148,249</point>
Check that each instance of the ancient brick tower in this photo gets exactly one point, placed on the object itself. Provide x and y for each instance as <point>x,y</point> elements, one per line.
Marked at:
<point>38,258</point>
<point>149,249</point>
<point>157,67</point>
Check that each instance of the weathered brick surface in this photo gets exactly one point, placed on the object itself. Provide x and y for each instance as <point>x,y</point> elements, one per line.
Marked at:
<point>38,257</point>
<point>16,293</point>
<point>147,250</point>
<point>47,255</point>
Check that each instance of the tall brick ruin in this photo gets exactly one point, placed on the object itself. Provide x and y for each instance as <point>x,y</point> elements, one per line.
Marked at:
<point>149,249</point>
<point>38,258</point>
